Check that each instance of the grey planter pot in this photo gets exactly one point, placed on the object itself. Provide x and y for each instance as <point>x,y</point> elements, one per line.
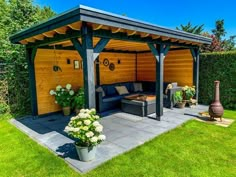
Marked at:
<point>86,153</point>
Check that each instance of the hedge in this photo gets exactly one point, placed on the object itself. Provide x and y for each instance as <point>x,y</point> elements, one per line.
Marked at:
<point>218,66</point>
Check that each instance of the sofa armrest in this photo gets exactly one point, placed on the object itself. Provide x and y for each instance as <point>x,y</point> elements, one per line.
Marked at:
<point>170,93</point>
<point>98,101</point>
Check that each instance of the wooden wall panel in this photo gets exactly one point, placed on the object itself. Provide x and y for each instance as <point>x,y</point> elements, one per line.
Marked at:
<point>178,66</point>
<point>124,72</point>
<point>47,79</point>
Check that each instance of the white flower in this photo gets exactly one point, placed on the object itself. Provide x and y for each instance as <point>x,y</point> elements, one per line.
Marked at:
<point>71,92</point>
<point>76,129</point>
<point>58,88</point>
<point>68,86</point>
<point>102,137</point>
<point>94,139</point>
<point>85,128</point>
<point>96,123</point>
<point>52,92</point>
<point>56,102</point>
<point>58,94</point>
<point>62,90</point>
<point>73,118</point>
<point>96,117</point>
<point>83,115</point>
<point>99,129</point>
<point>89,134</point>
<point>79,123</point>
<point>67,129</point>
<point>82,110</point>
<point>93,110</point>
<point>87,122</point>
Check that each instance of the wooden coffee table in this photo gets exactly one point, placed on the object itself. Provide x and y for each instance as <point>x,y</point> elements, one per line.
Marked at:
<point>139,104</point>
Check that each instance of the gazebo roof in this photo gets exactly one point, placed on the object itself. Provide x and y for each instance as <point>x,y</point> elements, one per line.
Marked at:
<point>71,21</point>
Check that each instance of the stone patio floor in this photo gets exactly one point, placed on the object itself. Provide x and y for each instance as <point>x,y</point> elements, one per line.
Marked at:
<point>123,131</point>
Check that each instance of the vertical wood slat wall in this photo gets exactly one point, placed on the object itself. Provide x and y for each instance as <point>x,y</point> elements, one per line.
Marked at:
<point>177,67</point>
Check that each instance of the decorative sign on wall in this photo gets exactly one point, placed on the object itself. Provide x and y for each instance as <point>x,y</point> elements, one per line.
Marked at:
<point>76,64</point>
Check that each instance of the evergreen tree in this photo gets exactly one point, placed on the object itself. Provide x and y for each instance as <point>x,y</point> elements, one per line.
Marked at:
<point>219,30</point>
<point>198,29</point>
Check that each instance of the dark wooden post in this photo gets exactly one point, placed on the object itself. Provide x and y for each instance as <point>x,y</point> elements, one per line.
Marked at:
<point>97,71</point>
<point>88,66</point>
<point>30,55</point>
<point>89,54</point>
<point>195,55</point>
<point>159,52</point>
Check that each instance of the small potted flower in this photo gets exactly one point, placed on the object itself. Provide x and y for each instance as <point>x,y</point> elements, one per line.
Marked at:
<point>188,92</point>
<point>178,99</point>
<point>78,101</point>
<point>63,97</point>
<point>87,131</point>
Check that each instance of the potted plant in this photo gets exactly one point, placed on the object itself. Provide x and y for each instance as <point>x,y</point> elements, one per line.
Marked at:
<point>63,97</point>
<point>178,99</point>
<point>188,92</point>
<point>78,100</point>
<point>87,131</point>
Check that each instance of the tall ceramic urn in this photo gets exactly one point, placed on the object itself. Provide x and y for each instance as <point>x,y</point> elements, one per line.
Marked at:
<point>216,109</point>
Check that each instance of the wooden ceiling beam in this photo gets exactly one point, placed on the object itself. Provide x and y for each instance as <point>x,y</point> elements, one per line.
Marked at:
<point>163,38</point>
<point>97,26</point>
<point>131,33</point>
<point>75,26</point>
<point>30,40</point>
<point>115,30</point>
<point>144,35</point>
<point>173,40</point>
<point>24,42</point>
<point>61,30</point>
<point>39,37</point>
<point>155,36</point>
<point>49,34</point>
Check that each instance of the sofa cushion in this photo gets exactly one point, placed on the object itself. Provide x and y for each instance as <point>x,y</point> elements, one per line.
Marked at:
<point>138,87</point>
<point>100,89</point>
<point>129,86</point>
<point>111,99</point>
<point>110,90</point>
<point>122,90</point>
<point>169,86</point>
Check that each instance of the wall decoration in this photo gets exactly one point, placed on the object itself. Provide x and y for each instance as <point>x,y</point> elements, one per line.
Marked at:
<point>76,64</point>
<point>112,66</point>
<point>119,62</point>
<point>105,62</point>
<point>81,64</point>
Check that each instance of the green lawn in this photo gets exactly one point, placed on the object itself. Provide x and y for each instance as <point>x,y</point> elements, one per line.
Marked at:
<point>194,149</point>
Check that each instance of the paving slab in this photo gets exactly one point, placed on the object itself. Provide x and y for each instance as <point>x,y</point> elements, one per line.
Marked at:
<point>123,131</point>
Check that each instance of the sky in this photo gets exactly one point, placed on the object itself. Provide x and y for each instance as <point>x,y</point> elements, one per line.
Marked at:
<point>169,13</point>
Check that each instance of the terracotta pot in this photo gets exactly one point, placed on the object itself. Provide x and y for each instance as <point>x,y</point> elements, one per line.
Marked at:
<point>66,111</point>
<point>181,105</point>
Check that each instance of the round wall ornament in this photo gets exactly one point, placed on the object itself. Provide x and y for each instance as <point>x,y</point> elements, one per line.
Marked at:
<point>105,62</point>
<point>112,66</point>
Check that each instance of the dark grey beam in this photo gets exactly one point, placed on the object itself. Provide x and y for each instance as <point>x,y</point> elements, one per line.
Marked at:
<point>57,38</point>
<point>195,55</point>
<point>100,46</point>
<point>97,62</point>
<point>30,55</point>
<point>159,51</point>
<point>85,49</point>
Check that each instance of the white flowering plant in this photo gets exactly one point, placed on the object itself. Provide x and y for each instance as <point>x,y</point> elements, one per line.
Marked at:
<point>86,128</point>
<point>63,95</point>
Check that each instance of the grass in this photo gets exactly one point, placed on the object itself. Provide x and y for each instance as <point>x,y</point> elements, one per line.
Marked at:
<point>194,149</point>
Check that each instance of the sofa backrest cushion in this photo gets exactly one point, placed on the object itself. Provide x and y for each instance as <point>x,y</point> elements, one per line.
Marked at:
<point>122,90</point>
<point>138,87</point>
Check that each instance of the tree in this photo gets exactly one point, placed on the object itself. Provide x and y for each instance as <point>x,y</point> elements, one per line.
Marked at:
<point>198,29</point>
<point>215,46</point>
<point>219,30</point>
<point>16,15</point>
<point>229,44</point>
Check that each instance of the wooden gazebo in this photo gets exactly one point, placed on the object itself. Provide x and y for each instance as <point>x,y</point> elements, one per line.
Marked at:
<point>95,34</point>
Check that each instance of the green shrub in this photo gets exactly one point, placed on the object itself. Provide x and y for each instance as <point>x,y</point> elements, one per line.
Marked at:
<point>218,66</point>
<point>4,108</point>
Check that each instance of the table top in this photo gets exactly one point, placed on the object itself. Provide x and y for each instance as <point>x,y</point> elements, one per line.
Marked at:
<point>141,97</point>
